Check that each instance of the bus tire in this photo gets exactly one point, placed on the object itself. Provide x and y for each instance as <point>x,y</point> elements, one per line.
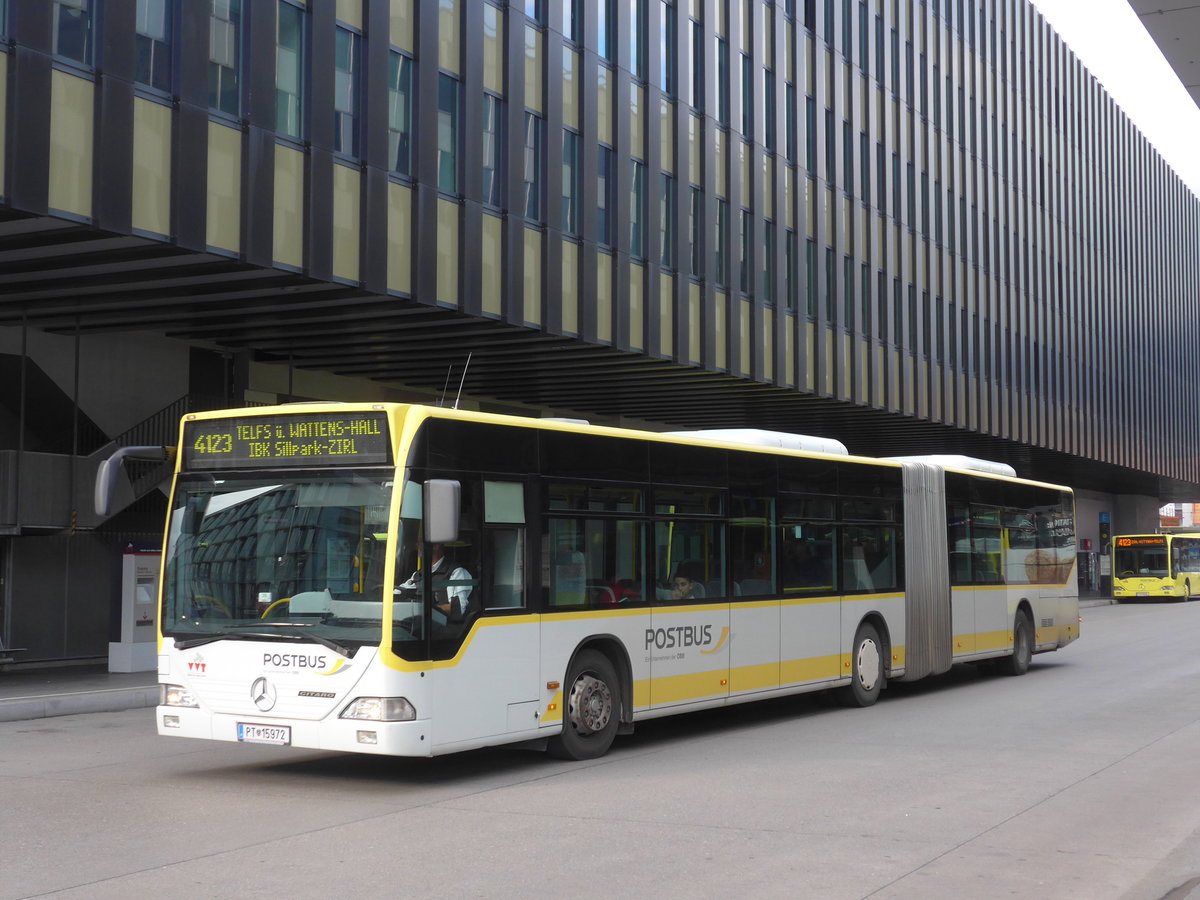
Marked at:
<point>866,676</point>
<point>1018,662</point>
<point>1188,596</point>
<point>591,708</point>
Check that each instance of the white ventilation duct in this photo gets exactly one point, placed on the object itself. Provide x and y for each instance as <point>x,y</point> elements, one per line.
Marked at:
<point>757,437</point>
<point>955,461</point>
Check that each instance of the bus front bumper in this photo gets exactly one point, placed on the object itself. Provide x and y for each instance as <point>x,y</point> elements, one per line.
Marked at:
<point>348,735</point>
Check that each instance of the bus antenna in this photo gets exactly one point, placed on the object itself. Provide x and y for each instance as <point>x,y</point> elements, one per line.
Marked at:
<point>462,380</point>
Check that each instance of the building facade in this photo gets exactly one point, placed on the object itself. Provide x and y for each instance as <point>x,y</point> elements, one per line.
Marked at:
<point>913,225</point>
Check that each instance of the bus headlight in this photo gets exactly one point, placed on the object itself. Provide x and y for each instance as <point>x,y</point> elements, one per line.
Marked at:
<point>380,709</point>
<point>176,695</point>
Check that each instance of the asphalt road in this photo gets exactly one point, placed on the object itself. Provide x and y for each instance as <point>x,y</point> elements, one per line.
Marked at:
<point>1080,779</point>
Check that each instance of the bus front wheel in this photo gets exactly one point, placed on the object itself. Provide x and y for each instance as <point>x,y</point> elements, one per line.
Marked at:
<point>1018,663</point>
<point>592,708</point>
<point>866,679</point>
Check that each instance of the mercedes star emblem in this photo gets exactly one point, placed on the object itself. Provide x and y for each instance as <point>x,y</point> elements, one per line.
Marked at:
<point>262,692</point>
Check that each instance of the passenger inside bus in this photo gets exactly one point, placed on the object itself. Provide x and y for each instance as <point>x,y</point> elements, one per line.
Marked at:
<point>685,583</point>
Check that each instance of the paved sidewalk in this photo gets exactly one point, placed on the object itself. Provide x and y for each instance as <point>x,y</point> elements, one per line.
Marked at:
<point>70,690</point>
<point>39,693</point>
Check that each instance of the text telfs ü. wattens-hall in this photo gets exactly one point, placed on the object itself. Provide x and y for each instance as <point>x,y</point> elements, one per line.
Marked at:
<point>914,226</point>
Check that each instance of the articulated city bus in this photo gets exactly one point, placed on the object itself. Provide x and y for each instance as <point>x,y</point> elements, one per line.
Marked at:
<point>1156,565</point>
<point>414,581</point>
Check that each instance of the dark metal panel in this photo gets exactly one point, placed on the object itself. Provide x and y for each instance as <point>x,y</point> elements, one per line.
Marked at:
<point>318,117</point>
<point>258,159</point>
<point>470,249</point>
<point>552,253</point>
<point>622,153</point>
<point>189,150</point>
<point>513,224</point>
<point>425,155</point>
<point>112,192</point>
<point>28,126</point>
<point>589,112</point>
<point>258,196</point>
<point>373,233</point>
<point>259,69</point>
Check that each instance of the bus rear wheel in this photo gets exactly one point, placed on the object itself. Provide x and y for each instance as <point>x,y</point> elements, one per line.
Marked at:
<point>866,678</point>
<point>591,708</point>
<point>1018,663</point>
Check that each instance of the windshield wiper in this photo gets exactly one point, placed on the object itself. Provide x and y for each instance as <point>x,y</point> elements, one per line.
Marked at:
<point>188,643</point>
<point>320,639</point>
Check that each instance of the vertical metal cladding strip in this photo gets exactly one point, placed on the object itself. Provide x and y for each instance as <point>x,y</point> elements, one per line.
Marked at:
<point>929,635</point>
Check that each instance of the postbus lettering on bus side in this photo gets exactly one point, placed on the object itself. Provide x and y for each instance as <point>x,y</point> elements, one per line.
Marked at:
<point>679,636</point>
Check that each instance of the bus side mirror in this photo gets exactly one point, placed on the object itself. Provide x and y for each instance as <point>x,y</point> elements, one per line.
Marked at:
<point>442,504</point>
<point>114,467</point>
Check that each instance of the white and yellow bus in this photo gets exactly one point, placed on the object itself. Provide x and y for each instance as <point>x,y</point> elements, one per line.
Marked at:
<point>1156,565</point>
<point>414,581</point>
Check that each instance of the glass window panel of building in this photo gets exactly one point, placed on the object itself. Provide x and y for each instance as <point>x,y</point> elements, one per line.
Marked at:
<point>604,194</point>
<point>666,56</point>
<point>637,38</point>
<point>666,221</point>
<point>73,29</point>
<point>152,44</point>
<point>744,264</point>
<point>637,211</point>
<point>720,255</point>
<point>695,214</point>
<point>570,182</point>
<point>400,113</point>
<point>604,30</point>
<point>447,138</point>
<point>346,90</point>
<point>572,21</point>
<point>289,68</point>
<point>493,125</point>
<point>722,82</point>
<point>224,56</point>
<point>533,167</point>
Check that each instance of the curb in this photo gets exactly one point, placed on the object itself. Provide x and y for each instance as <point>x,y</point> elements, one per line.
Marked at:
<point>47,706</point>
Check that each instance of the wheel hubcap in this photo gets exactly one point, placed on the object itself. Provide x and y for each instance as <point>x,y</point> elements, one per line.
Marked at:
<point>868,664</point>
<point>591,704</point>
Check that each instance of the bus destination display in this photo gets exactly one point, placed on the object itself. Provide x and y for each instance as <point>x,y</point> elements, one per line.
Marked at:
<point>1156,540</point>
<point>299,439</point>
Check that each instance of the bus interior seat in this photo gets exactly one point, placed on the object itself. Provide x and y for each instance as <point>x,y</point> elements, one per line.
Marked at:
<point>601,595</point>
<point>752,587</point>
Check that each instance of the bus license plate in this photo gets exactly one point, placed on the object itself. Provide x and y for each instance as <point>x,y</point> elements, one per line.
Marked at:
<point>1143,593</point>
<point>264,734</point>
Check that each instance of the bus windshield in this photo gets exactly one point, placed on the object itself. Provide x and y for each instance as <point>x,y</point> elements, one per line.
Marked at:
<point>1150,560</point>
<point>287,556</point>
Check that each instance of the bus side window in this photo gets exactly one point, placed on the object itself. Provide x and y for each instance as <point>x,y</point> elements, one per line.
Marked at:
<point>752,546</point>
<point>506,558</point>
<point>504,536</point>
<point>592,562</point>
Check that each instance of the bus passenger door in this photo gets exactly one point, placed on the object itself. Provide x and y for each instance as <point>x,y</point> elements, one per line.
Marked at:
<point>490,686</point>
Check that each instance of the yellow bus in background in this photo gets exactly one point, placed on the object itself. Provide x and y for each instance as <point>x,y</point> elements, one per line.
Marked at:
<point>1156,565</point>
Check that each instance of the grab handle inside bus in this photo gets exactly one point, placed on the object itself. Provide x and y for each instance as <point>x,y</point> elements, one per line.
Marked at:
<point>442,499</point>
<point>106,475</point>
